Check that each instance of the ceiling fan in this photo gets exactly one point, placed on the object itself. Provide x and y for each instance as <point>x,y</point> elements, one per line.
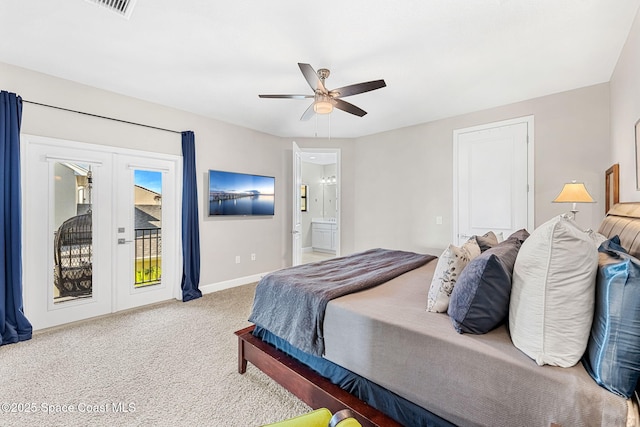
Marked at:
<point>325,100</point>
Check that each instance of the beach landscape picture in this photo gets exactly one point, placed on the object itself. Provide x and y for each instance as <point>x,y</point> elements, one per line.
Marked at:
<point>232,193</point>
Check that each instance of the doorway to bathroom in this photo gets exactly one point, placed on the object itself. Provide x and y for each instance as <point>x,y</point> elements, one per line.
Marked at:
<point>319,204</point>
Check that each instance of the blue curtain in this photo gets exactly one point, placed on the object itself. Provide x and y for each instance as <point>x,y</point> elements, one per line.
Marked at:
<point>14,326</point>
<point>190,228</point>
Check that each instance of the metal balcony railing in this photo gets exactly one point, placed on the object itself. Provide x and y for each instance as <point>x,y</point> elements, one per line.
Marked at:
<point>148,263</point>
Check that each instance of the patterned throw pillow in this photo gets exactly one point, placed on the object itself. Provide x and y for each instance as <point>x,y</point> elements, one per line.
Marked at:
<point>450,264</point>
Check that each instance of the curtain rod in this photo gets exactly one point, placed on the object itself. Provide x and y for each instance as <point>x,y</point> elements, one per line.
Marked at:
<point>101,117</point>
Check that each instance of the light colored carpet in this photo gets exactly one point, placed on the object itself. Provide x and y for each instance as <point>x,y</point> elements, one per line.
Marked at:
<point>173,364</point>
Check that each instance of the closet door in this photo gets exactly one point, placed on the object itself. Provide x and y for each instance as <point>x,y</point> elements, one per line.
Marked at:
<point>493,179</point>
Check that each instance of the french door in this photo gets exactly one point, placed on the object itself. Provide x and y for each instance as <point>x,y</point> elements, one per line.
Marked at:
<point>145,225</point>
<point>100,229</point>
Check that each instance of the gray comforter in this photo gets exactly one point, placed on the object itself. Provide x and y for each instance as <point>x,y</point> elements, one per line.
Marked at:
<point>385,334</point>
<point>291,302</point>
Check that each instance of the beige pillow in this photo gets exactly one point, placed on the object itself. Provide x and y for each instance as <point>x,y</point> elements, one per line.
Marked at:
<point>450,264</point>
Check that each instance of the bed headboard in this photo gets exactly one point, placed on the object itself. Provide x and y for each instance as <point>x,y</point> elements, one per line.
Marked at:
<point>624,220</point>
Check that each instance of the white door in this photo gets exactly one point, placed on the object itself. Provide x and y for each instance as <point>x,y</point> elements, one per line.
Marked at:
<point>146,214</point>
<point>67,223</point>
<point>493,179</point>
<point>73,196</point>
<point>296,215</point>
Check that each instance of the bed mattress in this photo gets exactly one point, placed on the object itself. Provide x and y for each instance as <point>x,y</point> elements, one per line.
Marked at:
<point>467,379</point>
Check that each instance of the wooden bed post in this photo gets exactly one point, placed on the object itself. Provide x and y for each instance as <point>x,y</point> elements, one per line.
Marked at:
<point>242,361</point>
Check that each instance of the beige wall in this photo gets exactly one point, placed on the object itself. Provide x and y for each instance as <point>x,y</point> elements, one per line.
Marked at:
<point>404,178</point>
<point>65,191</point>
<point>143,196</point>
<point>393,184</point>
<point>625,112</point>
<point>218,146</point>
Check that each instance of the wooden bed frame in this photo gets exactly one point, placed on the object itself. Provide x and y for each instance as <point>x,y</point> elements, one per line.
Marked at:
<point>316,391</point>
<point>306,384</point>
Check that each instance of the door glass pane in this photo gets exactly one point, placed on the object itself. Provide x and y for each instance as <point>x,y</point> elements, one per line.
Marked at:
<point>72,232</point>
<point>148,228</point>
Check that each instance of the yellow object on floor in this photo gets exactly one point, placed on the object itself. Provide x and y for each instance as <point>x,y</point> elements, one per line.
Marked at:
<point>319,418</point>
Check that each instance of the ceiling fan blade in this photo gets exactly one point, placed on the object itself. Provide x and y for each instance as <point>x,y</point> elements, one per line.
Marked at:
<point>286,96</point>
<point>309,112</point>
<point>309,74</point>
<point>357,88</point>
<point>312,77</point>
<point>349,108</point>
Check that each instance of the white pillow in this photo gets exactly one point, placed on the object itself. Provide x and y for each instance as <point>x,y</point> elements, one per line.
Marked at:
<point>553,293</point>
<point>596,237</point>
<point>450,264</point>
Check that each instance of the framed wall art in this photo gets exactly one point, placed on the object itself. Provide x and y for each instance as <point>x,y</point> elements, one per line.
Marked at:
<point>241,194</point>
<point>611,187</point>
<point>303,198</point>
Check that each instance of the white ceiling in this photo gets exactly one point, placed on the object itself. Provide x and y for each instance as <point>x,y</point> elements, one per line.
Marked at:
<point>439,58</point>
<point>318,158</point>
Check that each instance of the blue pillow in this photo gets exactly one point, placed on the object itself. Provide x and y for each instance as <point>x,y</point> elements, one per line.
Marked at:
<point>612,245</point>
<point>613,352</point>
<point>480,300</point>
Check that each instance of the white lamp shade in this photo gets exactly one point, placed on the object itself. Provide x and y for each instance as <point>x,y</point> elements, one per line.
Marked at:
<point>323,104</point>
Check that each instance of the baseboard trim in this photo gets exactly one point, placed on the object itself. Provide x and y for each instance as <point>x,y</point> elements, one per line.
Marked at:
<point>214,287</point>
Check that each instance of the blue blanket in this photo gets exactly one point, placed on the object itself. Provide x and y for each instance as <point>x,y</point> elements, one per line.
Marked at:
<point>291,302</point>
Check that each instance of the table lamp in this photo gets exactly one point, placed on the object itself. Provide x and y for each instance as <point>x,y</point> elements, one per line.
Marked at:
<point>574,192</point>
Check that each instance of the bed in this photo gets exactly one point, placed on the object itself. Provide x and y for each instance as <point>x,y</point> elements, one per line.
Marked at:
<point>396,364</point>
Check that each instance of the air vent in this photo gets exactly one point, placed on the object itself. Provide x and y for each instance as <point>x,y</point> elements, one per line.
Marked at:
<point>121,7</point>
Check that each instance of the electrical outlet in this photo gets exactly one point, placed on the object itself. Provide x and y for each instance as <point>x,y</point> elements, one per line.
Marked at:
<point>253,257</point>
<point>237,259</point>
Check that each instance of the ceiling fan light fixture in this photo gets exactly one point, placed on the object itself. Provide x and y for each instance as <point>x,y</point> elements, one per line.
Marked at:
<point>323,105</point>
<point>325,100</point>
